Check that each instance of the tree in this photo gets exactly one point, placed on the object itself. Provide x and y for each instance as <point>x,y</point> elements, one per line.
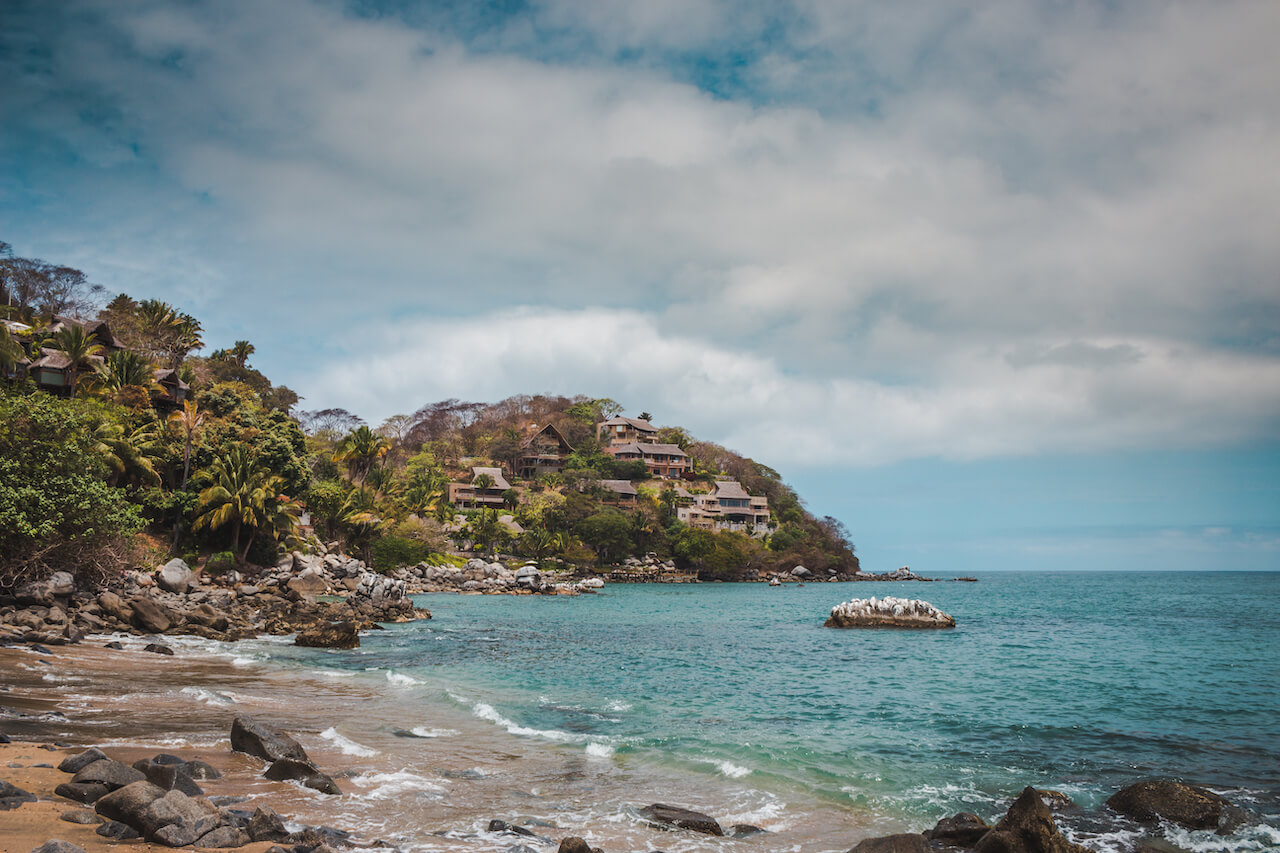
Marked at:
<point>361,449</point>
<point>189,422</point>
<point>609,532</point>
<point>79,348</point>
<point>486,531</point>
<point>483,483</point>
<point>56,510</point>
<point>240,352</point>
<point>10,353</point>
<point>238,493</point>
<point>122,369</point>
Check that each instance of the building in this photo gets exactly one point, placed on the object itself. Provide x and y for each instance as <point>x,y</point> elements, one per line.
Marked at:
<point>666,461</point>
<point>620,493</point>
<point>619,431</point>
<point>727,507</point>
<point>543,452</point>
<point>170,390</point>
<point>468,496</point>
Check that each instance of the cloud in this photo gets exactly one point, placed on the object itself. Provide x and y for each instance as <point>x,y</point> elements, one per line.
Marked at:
<point>985,403</point>
<point>900,232</point>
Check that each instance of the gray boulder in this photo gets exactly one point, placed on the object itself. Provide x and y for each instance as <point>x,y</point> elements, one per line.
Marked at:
<point>1027,827</point>
<point>82,792</point>
<point>55,845</point>
<point>287,769</point>
<point>907,842</point>
<point>11,796</point>
<point>178,820</point>
<point>264,740</point>
<point>127,804</point>
<point>667,816</point>
<point>266,825</point>
<point>224,836</point>
<point>113,774</point>
<point>148,615</point>
<point>78,762</point>
<point>168,776</point>
<point>961,830</point>
<point>175,576</point>
<point>1186,805</point>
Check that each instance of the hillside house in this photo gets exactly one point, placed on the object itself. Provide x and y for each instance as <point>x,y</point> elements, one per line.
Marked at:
<point>616,432</point>
<point>620,493</point>
<point>468,496</point>
<point>727,507</point>
<point>666,461</point>
<point>543,452</point>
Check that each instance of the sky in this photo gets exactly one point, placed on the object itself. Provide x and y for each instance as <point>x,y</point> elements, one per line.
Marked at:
<point>997,285</point>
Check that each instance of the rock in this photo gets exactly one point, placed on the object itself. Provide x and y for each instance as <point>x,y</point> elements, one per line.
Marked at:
<point>1027,827</point>
<point>201,770</point>
<point>148,615</point>
<point>224,836</point>
<point>745,830</point>
<point>168,776</point>
<point>114,644</point>
<point>264,740</point>
<point>308,587</point>
<point>961,830</point>
<point>11,796</point>
<point>266,825</point>
<point>80,816</point>
<point>888,612</point>
<point>114,605</point>
<point>682,818</point>
<point>908,842</point>
<point>177,820</point>
<point>176,576</point>
<point>1056,800</point>
<point>1186,805</point>
<point>157,648</point>
<point>286,769</point>
<point>113,774</point>
<point>118,831</point>
<point>82,792</point>
<point>800,572</point>
<point>329,635</point>
<point>574,844</point>
<point>128,803</point>
<point>207,617</point>
<point>76,763</point>
<point>1157,845</point>
<point>55,845</point>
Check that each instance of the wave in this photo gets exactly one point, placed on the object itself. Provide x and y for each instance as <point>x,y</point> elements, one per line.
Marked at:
<point>383,786</point>
<point>209,697</point>
<point>488,713</point>
<point>423,731</point>
<point>599,750</point>
<point>401,680</point>
<point>346,744</point>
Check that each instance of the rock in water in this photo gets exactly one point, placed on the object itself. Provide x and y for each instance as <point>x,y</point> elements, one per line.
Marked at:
<point>1186,805</point>
<point>907,842</point>
<point>888,612</point>
<point>681,818</point>
<point>264,740</point>
<point>1027,827</point>
<point>961,830</point>
<point>329,635</point>
<point>573,844</point>
<point>303,771</point>
<point>148,616</point>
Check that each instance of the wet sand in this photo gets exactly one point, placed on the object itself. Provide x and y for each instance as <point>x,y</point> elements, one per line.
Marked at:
<point>420,793</point>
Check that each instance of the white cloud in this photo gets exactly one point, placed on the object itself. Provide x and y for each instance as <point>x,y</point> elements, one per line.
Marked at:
<point>984,402</point>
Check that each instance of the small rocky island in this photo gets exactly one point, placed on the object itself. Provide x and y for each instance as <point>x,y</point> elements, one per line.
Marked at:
<point>888,612</point>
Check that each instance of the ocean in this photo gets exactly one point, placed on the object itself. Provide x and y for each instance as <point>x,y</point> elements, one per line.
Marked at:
<point>571,712</point>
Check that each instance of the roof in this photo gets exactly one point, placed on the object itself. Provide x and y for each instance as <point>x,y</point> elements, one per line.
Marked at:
<point>622,487</point>
<point>636,423</point>
<point>731,489</point>
<point>499,481</point>
<point>98,328</point>
<point>163,373</point>
<point>646,449</point>
<point>549,429</point>
<point>52,359</point>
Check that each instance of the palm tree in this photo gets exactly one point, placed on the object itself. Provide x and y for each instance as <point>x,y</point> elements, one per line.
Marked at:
<point>240,352</point>
<point>78,347</point>
<point>189,420</point>
<point>361,449</point>
<point>10,353</point>
<point>240,493</point>
<point>124,368</point>
<point>361,517</point>
<point>128,454</point>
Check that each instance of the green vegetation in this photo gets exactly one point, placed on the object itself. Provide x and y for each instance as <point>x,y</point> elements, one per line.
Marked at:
<point>208,455</point>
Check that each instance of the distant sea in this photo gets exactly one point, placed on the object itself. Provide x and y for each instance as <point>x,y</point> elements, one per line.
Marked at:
<point>733,698</point>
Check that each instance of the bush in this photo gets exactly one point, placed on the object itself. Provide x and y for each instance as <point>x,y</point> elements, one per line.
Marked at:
<point>56,510</point>
<point>394,552</point>
<point>222,561</point>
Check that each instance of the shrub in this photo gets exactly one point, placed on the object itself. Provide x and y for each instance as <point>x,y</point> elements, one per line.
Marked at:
<point>222,561</point>
<point>393,552</point>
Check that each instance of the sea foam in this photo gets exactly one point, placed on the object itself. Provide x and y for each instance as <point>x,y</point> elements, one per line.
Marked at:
<point>346,744</point>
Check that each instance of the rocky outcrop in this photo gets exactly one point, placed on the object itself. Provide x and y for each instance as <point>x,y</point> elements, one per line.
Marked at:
<point>888,612</point>
<point>961,830</point>
<point>286,769</point>
<point>479,576</point>
<point>264,740</point>
<point>906,842</point>
<point>175,576</point>
<point>675,817</point>
<point>329,635</point>
<point>1027,827</point>
<point>1186,805</point>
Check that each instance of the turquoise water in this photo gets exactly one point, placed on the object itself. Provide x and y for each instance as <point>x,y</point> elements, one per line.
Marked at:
<point>1081,682</point>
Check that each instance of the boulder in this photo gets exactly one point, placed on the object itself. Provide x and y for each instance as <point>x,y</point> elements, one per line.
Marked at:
<point>888,612</point>
<point>266,825</point>
<point>286,769</point>
<point>309,586</point>
<point>168,776</point>
<point>800,572</point>
<point>745,830</point>
<point>157,649</point>
<point>264,740</point>
<point>329,635</point>
<point>113,774</point>
<point>1027,827</point>
<point>961,830</point>
<point>205,616</point>
<point>56,845</point>
<point>127,804</point>
<point>114,605</point>
<point>78,762</point>
<point>201,770</point>
<point>148,615</point>
<point>574,844</point>
<point>1186,805</point>
<point>84,817</point>
<point>908,842</point>
<point>177,820</point>
<point>224,836</point>
<point>667,816</point>
<point>11,796</point>
<point>175,576</point>
<point>82,792</point>
<point>117,831</point>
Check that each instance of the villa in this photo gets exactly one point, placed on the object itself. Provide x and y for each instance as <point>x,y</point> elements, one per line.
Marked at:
<point>543,452</point>
<point>727,507</point>
<point>469,496</point>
